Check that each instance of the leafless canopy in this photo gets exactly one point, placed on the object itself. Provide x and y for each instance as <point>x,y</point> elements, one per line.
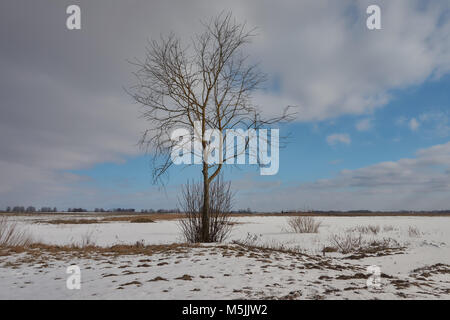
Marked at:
<point>210,81</point>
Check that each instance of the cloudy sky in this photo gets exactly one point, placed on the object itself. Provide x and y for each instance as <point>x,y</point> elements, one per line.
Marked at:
<point>373,125</point>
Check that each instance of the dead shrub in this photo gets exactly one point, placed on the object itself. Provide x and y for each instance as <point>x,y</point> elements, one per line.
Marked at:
<point>253,242</point>
<point>140,244</point>
<point>355,243</point>
<point>86,239</point>
<point>329,249</point>
<point>414,232</point>
<point>382,244</point>
<point>370,229</point>
<point>11,235</point>
<point>70,221</point>
<point>249,240</point>
<point>303,224</point>
<point>348,243</point>
<point>220,205</point>
<point>142,220</point>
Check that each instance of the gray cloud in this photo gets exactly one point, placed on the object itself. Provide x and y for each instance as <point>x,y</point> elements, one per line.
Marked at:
<point>62,102</point>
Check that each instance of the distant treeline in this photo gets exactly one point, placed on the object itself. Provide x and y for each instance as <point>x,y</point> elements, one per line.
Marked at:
<point>141,211</point>
<point>31,209</point>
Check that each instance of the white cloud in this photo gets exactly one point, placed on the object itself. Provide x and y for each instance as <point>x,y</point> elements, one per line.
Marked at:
<point>413,124</point>
<point>63,107</point>
<point>336,138</point>
<point>331,65</point>
<point>419,183</point>
<point>364,124</point>
<point>400,121</point>
<point>436,123</point>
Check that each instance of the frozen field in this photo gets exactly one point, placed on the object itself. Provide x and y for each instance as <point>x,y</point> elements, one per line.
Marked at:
<point>261,259</point>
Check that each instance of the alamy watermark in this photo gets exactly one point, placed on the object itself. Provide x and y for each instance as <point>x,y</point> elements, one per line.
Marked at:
<point>374,281</point>
<point>73,21</point>
<point>233,146</point>
<point>73,282</point>
<point>373,22</point>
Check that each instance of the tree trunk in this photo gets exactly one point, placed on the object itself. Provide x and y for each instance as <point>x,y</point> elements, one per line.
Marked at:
<point>205,209</point>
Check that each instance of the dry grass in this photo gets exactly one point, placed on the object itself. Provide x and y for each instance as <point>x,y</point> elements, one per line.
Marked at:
<point>346,244</point>
<point>266,247</point>
<point>89,250</point>
<point>149,217</point>
<point>129,218</point>
<point>369,229</point>
<point>352,243</point>
<point>414,232</point>
<point>11,235</point>
<point>87,239</point>
<point>253,242</point>
<point>70,221</point>
<point>142,220</point>
<point>303,224</point>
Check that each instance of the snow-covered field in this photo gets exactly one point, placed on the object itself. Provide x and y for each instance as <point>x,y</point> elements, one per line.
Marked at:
<point>267,261</point>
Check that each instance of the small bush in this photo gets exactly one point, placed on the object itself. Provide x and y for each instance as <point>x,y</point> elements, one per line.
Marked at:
<point>13,236</point>
<point>220,205</point>
<point>86,239</point>
<point>348,243</point>
<point>302,224</point>
<point>370,229</point>
<point>250,240</point>
<point>383,244</point>
<point>414,232</point>
<point>140,244</point>
<point>253,241</point>
<point>351,243</point>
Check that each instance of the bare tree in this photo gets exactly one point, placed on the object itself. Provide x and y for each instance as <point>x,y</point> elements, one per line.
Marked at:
<point>209,82</point>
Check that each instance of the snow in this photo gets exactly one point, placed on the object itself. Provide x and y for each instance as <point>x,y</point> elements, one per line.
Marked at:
<point>230,271</point>
<point>107,234</point>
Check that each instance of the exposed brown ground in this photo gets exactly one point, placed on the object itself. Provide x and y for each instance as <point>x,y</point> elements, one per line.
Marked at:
<point>37,249</point>
<point>330,278</point>
<point>133,217</point>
